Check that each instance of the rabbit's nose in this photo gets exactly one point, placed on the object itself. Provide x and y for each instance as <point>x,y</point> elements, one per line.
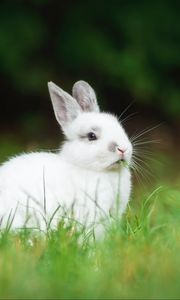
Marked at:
<point>122,151</point>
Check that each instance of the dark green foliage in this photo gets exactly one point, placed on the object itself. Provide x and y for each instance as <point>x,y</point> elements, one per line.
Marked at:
<point>131,46</point>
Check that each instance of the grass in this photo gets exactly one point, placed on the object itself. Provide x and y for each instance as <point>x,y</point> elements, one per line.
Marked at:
<point>139,258</point>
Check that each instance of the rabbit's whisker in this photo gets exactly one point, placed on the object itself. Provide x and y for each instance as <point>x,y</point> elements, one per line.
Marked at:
<point>134,138</point>
<point>125,110</point>
<point>127,118</point>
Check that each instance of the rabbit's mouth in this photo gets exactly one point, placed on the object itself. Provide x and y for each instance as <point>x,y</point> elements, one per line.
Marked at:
<point>118,163</point>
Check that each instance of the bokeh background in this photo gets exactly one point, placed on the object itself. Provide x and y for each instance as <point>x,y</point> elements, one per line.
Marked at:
<point>129,51</point>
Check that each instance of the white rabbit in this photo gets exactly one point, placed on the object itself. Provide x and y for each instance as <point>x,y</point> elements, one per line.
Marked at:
<point>83,180</point>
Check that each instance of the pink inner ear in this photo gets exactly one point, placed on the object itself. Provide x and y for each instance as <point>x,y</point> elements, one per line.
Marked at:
<point>85,104</point>
<point>62,113</point>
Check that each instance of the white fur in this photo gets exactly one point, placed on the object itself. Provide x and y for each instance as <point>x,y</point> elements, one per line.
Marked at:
<point>81,179</point>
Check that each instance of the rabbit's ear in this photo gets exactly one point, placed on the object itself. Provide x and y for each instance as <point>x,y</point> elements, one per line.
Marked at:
<point>85,96</point>
<point>65,106</point>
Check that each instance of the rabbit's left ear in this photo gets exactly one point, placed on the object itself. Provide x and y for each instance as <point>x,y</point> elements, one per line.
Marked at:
<point>66,108</point>
<point>85,96</point>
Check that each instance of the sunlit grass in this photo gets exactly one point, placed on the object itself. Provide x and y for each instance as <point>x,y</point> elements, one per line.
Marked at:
<point>139,257</point>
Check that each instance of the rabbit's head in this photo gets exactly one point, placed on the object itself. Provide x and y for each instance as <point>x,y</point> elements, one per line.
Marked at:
<point>94,139</point>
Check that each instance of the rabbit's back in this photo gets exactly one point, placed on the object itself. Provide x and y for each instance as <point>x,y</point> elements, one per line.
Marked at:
<point>36,179</point>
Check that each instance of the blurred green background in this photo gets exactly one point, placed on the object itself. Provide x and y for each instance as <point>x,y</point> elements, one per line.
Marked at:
<point>129,51</point>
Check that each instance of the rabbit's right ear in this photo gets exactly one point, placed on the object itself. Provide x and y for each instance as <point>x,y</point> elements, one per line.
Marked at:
<point>65,106</point>
<point>85,96</point>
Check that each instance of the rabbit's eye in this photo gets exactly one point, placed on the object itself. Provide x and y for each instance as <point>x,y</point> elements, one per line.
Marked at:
<point>91,136</point>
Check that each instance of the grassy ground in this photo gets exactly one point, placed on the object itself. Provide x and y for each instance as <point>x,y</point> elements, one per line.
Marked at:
<point>139,258</point>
